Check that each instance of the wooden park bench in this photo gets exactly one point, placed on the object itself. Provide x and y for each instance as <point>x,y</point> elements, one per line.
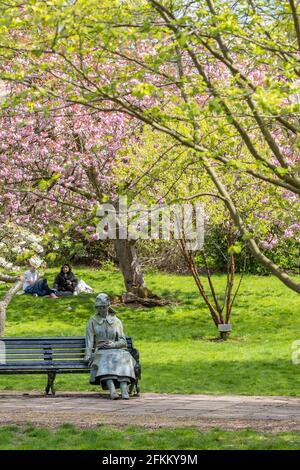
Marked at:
<point>52,356</point>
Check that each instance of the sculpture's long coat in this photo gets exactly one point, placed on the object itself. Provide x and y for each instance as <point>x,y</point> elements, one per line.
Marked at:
<point>117,363</point>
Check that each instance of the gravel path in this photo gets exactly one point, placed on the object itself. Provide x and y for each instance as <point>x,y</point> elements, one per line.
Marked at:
<point>272,414</point>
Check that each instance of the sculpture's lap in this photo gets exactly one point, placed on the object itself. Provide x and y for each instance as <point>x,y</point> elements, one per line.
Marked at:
<point>115,364</point>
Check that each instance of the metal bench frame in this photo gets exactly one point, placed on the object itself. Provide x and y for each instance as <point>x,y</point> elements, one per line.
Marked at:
<point>52,356</point>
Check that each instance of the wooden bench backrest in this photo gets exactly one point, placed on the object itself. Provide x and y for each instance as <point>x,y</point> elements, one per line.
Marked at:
<point>41,353</point>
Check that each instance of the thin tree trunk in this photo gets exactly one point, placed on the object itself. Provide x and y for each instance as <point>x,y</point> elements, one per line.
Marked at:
<point>5,302</point>
<point>212,289</point>
<point>231,273</point>
<point>190,263</point>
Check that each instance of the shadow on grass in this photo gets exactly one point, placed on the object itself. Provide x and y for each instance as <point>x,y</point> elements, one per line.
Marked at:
<point>257,377</point>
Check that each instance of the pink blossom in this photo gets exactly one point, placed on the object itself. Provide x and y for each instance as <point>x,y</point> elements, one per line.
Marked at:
<point>270,242</point>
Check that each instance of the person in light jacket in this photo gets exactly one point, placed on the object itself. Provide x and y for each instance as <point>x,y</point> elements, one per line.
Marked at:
<point>32,285</point>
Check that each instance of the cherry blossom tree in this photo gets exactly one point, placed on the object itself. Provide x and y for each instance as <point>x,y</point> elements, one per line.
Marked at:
<point>58,169</point>
<point>174,65</point>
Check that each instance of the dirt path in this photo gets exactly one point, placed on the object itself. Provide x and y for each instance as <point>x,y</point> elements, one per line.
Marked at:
<point>272,414</point>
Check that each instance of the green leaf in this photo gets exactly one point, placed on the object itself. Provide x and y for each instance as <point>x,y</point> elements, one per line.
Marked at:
<point>235,249</point>
<point>37,52</point>
<point>51,256</point>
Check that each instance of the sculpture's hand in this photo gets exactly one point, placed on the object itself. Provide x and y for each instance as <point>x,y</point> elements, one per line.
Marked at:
<point>107,345</point>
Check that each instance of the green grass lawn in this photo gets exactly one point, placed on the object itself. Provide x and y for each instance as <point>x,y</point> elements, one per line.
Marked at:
<point>68,437</point>
<point>177,353</point>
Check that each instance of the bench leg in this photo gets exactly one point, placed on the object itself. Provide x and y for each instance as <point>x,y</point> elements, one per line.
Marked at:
<point>137,388</point>
<point>50,383</point>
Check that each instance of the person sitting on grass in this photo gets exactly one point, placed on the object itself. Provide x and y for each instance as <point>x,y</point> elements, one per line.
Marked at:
<point>65,282</point>
<point>33,286</point>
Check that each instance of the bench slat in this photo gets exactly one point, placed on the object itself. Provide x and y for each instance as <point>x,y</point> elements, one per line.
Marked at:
<point>45,365</point>
<point>46,346</point>
<point>40,352</point>
<point>54,352</point>
<point>44,341</point>
<point>22,339</point>
<point>81,370</point>
<point>24,352</point>
<point>9,360</point>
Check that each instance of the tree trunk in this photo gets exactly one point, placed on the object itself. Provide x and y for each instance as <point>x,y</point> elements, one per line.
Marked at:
<point>129,264</point>
<point>136,289</point>
<point>5,302</point>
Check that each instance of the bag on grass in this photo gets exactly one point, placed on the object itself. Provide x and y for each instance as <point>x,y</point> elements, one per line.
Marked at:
<point>83,287</point>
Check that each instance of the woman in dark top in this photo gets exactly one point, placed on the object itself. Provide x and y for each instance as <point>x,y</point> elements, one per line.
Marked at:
<point>65,282</point>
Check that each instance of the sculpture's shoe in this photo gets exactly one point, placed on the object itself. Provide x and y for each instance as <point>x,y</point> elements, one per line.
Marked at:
<point>125,395</point>
<point>114,396</point>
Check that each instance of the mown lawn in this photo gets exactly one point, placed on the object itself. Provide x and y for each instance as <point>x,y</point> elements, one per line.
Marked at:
<point>68,437</point>
<point>175,342</point>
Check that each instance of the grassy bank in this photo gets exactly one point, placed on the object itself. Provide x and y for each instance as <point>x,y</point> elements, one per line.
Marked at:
<point>178,353</point>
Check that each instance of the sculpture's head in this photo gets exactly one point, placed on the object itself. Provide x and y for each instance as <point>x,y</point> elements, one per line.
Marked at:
<point>102,304</point>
